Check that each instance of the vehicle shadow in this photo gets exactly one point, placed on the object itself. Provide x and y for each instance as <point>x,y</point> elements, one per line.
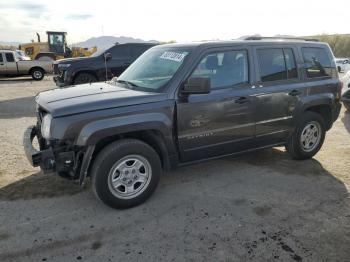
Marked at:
<point>18,107</point>
<point>346,120</point>
<point>39,185</point>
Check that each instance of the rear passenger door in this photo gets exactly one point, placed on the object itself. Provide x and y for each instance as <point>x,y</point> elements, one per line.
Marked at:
<point>278,90</point>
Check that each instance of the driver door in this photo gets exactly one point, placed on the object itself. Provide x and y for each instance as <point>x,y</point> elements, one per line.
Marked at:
<point>222,121</point>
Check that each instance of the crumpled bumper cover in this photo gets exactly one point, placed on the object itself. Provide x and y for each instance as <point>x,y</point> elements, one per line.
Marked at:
<point>43,158</point>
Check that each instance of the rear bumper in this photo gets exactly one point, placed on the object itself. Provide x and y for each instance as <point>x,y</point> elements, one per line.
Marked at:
<point>44,158</point>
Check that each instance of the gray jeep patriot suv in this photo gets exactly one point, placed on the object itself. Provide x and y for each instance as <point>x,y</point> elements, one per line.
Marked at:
<point>182,103</point>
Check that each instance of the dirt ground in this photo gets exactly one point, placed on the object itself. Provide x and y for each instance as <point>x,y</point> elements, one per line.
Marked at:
<point>257,207</point>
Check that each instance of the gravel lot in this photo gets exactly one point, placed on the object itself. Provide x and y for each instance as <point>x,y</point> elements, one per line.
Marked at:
<point>257,207</point>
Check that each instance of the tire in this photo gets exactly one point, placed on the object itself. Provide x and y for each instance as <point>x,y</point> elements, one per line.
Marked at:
<point>84,78</point>
<point>116,162</point>
<point>37,74</point>
<point>313,123</point>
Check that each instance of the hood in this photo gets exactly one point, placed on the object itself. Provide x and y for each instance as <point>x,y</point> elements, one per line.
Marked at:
<point>71,60</point>
<point>97,96</point>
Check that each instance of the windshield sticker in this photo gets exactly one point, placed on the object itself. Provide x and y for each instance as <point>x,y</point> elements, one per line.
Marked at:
<point>178,57</point>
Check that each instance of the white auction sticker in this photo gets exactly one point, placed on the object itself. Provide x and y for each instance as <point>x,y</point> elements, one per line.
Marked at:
<point>178,57</point>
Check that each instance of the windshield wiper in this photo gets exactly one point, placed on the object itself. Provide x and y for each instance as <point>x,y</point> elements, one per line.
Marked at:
<point>129,84</point>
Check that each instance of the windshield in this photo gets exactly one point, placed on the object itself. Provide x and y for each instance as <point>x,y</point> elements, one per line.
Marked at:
<point>152,70</point>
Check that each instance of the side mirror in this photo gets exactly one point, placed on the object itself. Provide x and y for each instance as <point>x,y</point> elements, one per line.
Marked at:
<point>197,85</point>
<point>108,56</point>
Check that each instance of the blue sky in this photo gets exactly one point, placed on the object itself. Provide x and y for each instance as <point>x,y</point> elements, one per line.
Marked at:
<point>180,20</point>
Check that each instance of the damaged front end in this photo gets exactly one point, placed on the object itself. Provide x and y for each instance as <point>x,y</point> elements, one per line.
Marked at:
<point>64,158</point>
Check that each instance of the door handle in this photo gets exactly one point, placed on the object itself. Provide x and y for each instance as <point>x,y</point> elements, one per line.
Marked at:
<point>294,93</point>
<point>242,100</point>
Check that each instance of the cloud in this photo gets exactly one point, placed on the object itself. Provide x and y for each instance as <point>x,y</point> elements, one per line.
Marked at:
<point>33,9</point>
<point>79,16</point>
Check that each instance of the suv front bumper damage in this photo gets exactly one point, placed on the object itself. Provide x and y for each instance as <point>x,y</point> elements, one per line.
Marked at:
<point>73,164</point>
<point>44,158</point>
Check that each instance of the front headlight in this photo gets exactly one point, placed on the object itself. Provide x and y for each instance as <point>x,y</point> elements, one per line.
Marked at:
<point>63,66</point>
<point>46,126</point>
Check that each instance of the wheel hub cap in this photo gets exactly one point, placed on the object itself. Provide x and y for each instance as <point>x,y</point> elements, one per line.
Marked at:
<point>37,74</point>
<point>310,136</point>
<point>129,176</point>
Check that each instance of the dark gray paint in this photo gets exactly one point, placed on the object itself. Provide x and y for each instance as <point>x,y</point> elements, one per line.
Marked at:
<point>195,127</point>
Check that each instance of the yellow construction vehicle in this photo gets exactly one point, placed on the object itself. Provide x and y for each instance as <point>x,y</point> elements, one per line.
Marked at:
<point>55,48</point>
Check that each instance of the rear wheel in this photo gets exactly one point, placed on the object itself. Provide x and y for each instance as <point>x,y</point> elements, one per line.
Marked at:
<point>84,78</point>
<point>308,137</point>
<point>125,173</point>
<point>37,74</point>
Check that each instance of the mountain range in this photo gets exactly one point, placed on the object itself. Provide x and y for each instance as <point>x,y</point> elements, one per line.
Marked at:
<point>103,42</point>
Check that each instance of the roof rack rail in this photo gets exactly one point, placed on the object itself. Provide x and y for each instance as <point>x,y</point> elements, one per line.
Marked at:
<point>280,37</point>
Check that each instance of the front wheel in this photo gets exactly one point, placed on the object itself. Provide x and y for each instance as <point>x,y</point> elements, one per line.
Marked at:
<point>125,173</point>
<point>84,78</point>
<point>308,136</point>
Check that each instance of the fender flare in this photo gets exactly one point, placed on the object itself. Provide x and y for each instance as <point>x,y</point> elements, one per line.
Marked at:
<point>93,132</point>
<point>316,100</point>
<point>84,69</point>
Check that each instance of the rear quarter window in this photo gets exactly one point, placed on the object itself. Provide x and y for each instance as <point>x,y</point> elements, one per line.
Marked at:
<point>317,62</point>
<point>1,59</point>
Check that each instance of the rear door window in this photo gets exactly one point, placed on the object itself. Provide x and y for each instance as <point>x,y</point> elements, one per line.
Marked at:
<point>1,59</point>
<point>317,62</point>
<point>9,57</point>
<point>276,64</point>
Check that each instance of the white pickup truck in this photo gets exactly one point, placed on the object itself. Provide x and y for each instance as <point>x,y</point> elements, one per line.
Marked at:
<point>11,64</point>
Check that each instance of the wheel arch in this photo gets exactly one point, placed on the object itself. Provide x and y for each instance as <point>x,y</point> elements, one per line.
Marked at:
<point>152,137</point>
<point>84,71</point>
<point>36,67</point>
<point>325,111</point>
<point>152,128</point>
